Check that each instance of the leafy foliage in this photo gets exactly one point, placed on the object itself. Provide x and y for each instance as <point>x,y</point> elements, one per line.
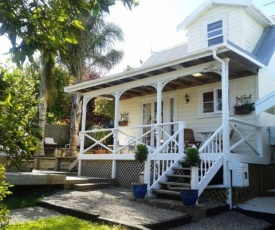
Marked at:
<point>45,25</point>
<point>141,153</point>
<point>59,109</point>
<point>4,191</point>
<point>19,131</point>
<point>104,108</point>
<point>192,157</point>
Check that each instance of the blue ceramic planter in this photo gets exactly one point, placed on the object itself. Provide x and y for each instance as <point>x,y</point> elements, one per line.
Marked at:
<point>139,190</point>
<point>189,196</point>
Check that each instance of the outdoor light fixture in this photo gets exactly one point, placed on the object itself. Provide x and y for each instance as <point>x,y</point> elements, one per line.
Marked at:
<point>187,99</point>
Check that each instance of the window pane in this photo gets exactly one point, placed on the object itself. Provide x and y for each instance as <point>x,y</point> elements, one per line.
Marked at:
<point>219,99</point>
<point>214,26</point>
<point>214,33</point>
<point>215,41</point>
<point>208,102</point>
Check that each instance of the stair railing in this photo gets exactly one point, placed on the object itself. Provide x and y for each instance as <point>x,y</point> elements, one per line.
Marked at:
<point>161,159</point>
<point>211,154</point>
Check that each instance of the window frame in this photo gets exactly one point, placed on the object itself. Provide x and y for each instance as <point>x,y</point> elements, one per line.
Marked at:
<point>216,111</point>
<point>223,35</point>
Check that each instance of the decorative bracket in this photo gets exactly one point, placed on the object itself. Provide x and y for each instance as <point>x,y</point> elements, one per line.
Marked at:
<point>213,68</point>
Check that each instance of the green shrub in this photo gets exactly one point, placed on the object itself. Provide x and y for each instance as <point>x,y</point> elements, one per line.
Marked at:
<point>192,157</point>
<point>141,153</point>
<point>4,191</point>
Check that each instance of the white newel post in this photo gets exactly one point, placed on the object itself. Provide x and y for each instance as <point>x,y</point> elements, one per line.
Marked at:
<point>194,177</point>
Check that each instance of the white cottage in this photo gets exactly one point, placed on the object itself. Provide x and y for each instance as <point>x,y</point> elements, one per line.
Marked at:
<point>228,60</point>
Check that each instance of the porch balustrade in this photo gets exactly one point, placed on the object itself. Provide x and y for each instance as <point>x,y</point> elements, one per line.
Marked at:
<point>212,152</point>
<point>165,138</point>
<point>165,143</point>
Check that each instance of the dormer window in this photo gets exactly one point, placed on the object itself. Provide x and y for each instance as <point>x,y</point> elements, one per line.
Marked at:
<point>215,30</point>
<point>215,33</point>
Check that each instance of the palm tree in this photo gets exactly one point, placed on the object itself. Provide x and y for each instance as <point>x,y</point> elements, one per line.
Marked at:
<point>94,51</point>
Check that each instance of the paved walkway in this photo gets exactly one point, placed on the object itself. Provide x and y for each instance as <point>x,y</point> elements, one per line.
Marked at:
<point>116,205</point>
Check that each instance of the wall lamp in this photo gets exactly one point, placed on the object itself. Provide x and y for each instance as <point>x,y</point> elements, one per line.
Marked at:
<point>187,99</point>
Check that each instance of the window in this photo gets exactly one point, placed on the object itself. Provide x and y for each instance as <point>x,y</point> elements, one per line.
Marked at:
<point>212,101</point>
<point>215,30</point>
<point>215,33</point>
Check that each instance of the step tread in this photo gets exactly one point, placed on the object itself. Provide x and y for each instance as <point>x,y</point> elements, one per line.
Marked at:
<point>181,168</point>
<point>180,176</point>
<point>168,192</point>
<point>174,183</point>
<point>92,184</point>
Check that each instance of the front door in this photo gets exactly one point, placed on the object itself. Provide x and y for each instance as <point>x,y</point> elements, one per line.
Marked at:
<point>149,116</point>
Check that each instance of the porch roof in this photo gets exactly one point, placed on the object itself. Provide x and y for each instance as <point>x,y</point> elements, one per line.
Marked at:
<point>241,64</point>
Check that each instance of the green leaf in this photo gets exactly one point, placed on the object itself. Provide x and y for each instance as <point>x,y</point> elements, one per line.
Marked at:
<point>78,24</point>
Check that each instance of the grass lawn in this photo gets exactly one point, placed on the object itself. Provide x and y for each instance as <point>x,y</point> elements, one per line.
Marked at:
<point>61,223</point>
<point>27,197</point>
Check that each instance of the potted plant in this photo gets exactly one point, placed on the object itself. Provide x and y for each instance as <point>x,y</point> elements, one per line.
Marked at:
<point>192,159</point>
<point>124,119</point>
<point>141,155</point>
<point>244,105</point>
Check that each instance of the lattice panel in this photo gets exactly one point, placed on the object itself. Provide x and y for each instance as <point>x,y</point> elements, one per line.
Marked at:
<point>128,172</point>
<point>268,176</point>
<point>254,189</point>
<point>101,169</point>
<point>214,194</point>
<point>60,134</point>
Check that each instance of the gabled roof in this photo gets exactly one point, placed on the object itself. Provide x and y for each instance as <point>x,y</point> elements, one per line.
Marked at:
<point>208,4</point>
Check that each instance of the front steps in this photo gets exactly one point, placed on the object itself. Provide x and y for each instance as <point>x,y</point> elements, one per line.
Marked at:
<point>179,179</point>
<point>86,183</point>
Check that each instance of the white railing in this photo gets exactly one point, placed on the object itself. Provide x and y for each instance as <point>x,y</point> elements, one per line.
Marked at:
<point>246,135</point>
<point>165,138</point>
<point>161,160</point>
<point>212,151</point>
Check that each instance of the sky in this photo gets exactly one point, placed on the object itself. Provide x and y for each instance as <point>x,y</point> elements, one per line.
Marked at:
<point>149,27</point>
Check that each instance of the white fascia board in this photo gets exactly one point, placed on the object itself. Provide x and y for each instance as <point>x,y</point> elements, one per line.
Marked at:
<point>140,70</point>
<point>246,56</point>
<point>260,14</point>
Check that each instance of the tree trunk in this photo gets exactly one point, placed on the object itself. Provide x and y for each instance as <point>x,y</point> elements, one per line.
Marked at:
<point>45,84</point>
<point>75,121</point>
<point>42,113</point>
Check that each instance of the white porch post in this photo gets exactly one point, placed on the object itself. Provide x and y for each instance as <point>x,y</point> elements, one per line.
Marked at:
<point>115,133</point>
<point>83,124</point>
<point>225,123</point>
<point>159,100</point>
<point>226,138</point>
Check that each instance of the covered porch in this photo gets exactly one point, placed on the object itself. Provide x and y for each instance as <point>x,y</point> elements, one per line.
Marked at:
<point>164,134</point>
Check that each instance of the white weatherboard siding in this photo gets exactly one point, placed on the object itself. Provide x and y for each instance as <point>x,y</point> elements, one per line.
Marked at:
<point>131,106</point>
<point>253,31</point>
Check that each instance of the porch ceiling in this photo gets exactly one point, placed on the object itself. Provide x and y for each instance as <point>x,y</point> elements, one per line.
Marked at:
<point>239,67</point>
